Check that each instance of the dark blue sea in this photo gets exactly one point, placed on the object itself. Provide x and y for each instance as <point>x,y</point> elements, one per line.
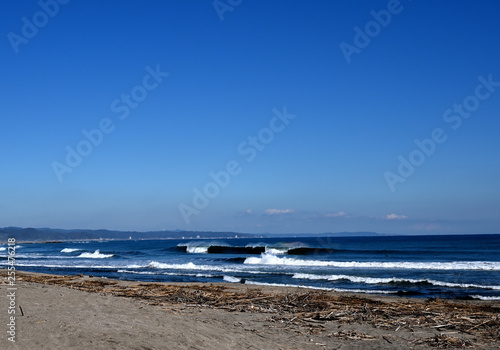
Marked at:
<point>458,267</point>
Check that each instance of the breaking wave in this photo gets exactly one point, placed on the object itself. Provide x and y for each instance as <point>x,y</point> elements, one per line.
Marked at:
<point>269,259</point>
<point>232,279</point>
<point>95,255</point>
<point>390,280</point>
<point>69,250</point>
<point>481,297</point>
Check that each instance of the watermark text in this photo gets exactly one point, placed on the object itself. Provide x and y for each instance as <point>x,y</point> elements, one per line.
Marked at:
<point>221,179</point>
<point>11,289</point>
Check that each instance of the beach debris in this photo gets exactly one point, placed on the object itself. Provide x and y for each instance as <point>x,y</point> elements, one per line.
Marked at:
<point>308,309</point>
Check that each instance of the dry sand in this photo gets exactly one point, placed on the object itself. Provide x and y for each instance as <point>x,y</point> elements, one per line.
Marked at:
<point>52,313</point>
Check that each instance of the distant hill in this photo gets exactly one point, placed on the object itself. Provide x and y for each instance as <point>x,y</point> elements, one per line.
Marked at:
<point>49,234</point>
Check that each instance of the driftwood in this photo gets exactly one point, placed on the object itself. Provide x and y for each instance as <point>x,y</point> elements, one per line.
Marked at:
<point>311,308</point>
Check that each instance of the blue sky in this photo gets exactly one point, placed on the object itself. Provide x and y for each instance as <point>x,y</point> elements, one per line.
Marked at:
<point>195,80</point>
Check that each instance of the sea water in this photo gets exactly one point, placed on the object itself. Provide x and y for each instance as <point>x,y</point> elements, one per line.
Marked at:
<point>458,266</point>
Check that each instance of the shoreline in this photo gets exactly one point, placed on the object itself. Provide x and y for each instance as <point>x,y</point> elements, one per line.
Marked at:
<point>240,316</point>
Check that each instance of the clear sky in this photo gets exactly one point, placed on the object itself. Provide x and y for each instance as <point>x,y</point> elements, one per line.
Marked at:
<point>114,115</point>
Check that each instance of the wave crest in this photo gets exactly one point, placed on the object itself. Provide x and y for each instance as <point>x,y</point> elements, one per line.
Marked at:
<point>95,255</point>
<point>269,259</point>
<point>374,280</point>
<point>69,250</point>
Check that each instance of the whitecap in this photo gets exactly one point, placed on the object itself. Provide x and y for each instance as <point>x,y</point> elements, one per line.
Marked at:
<point>231,279</point>
<point>375,280</point>
<point>192,266</point>
<point>197,250</point>
<point>481,297</point>
<point>269,259</point>
<point>276,251</point>
<point>69,250</point>
<point>95,255</point>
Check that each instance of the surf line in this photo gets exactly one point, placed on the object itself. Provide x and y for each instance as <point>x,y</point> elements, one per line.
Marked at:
<point>221,179</point>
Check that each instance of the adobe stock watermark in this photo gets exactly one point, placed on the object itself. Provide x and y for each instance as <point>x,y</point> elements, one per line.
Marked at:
<point>93,138</point>
<point>363,36</point>
<point>31,26</point>
<point>223,6</point>
<point>454,116</point>
<point>11,289</point>
<point>221,179</point>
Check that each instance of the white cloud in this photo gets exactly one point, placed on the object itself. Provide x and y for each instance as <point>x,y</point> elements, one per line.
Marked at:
<point>395,217</point>
<point>278,211</point>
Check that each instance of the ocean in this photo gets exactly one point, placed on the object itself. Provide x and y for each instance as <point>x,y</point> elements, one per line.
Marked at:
<point>452,267</point>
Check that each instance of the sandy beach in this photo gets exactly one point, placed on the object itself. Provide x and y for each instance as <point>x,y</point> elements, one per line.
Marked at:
<point>83,312</point>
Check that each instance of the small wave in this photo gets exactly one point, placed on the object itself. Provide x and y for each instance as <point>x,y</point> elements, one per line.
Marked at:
<point>137,272</point>
<point>232,279</point>
<point>95,255</point>
<point>202,275</point>
<point>481,297</point>
<point>375,280</point>
<point>192,266</point>
<point>69,250</point>
<point>269,259</point>
<point>341,290</point>
<point>151,265</point>
<point>2,249</point>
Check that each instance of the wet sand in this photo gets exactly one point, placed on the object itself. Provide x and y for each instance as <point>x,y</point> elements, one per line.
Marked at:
<point>82,312</point>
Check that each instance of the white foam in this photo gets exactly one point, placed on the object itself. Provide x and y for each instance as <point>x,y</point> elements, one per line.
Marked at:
<point>137,272</point>
<point>167,273</point>
<point>69,250</point>
<point>95,255</point>
<point>2,249</point>
<point>255,245</point>
<point>269,259</point>
<point>203,244</point>
<point>276,251</point>
<point>374,280</point>
<point>461,285</point>
<point>232,279</point>
<point>187,266</point>
<point>192,266</point>
<point>152,264</point>
<point>480,297</point>
<point>197,250</point>
<point>134,266</point>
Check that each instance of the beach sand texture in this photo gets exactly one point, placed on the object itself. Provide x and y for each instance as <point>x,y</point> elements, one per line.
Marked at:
<point>82,312</point>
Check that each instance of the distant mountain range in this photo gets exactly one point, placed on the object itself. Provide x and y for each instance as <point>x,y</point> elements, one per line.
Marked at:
<point>50,234</point>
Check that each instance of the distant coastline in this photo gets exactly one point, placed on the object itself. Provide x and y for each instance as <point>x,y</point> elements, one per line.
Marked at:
<point>50,235</point>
